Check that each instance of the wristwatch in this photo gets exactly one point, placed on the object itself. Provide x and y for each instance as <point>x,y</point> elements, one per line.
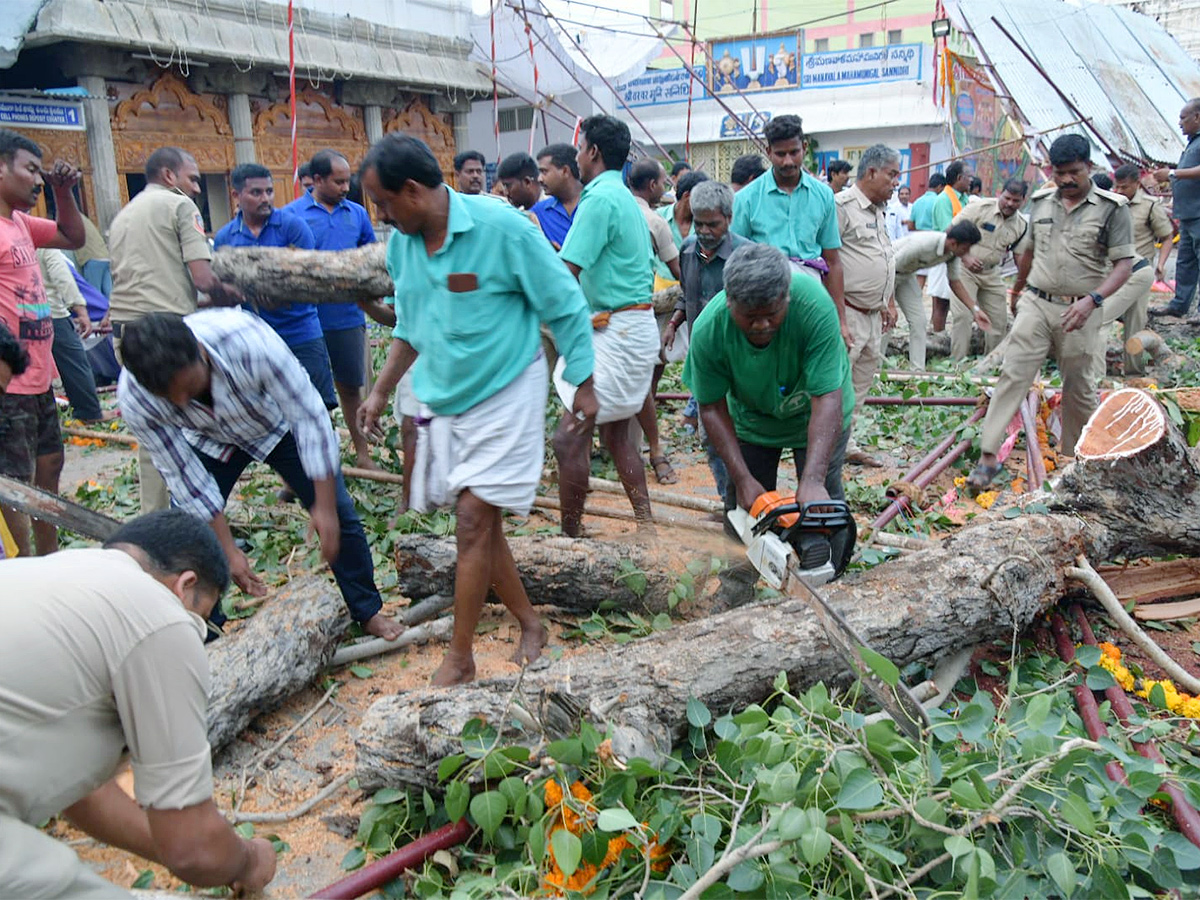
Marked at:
<point>1097,299</point>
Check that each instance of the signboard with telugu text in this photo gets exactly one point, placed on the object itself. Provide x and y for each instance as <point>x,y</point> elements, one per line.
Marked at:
<point>52,114</point>
<point>661,86</point>
<point>866,65</point>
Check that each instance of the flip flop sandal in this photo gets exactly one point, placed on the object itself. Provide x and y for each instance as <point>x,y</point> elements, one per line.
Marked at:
<point>663,472</point>
<point>983,475</point>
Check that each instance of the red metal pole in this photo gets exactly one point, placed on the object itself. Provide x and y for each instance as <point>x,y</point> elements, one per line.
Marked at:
<point>922,401</point>
<point>292,102</point>
<point>1089,710</point>
<point>924,480</point>
<point>1185,814</point>
<point>1037,465</point>
<point>943,445</point>
<point>384,870</point>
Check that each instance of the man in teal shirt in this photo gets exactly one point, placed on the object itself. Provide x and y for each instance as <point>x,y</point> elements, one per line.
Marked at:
<point>948,205</point>
<point>478,277</point>
<point>769,370</point>
<point>608,250</point>
<point>794,212</point>
<point>922,208</point>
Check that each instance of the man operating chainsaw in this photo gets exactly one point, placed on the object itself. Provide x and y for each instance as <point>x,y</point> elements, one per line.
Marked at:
<point>770,370</point>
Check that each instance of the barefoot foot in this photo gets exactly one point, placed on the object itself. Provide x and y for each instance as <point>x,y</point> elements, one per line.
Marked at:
<point>533,639</point>
<point>365,462</point>
<point>454,670</point>
<point>383,627</point>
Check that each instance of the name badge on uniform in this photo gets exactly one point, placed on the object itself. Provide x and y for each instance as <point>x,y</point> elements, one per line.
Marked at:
<point>462,282</point>
<point>989,226</point>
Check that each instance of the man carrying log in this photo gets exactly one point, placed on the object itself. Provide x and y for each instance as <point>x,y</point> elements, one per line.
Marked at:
<point>608,250</point>
<point>770,370</point>
<point>1078,251</point>
<point>208,394</point>
<point>106,656</point>
<point>473,280</point>
<point>922,250</point>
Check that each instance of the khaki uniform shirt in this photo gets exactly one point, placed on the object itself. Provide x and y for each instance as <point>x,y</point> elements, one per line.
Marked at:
<point>998,235</point>
<point>93,245</point>
<point>61,289</point>
<point>660,232</point>
<point>867,256</point>
<point>1073,251</point>
<point>922,249</point>
<point>151,242</point>
<point>1150,224</point>
<point>97,657</point>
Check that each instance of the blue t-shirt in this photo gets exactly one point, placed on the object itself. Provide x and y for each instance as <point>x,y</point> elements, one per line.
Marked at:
<point>346,227</point>
<point>554,219</point>
<point>296,323</point>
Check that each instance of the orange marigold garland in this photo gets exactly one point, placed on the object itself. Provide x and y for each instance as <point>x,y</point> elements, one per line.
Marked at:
<point>574,811</point>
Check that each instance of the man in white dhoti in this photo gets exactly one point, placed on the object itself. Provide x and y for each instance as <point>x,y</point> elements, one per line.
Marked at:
<point>478,278</point>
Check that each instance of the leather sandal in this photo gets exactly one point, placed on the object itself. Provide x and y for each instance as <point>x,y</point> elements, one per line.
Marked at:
<point>663,472</point>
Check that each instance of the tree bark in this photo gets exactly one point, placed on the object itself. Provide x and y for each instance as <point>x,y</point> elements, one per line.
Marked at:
<point>579,575</point>
<point>988,581</point>
<point>273,275</point>
<point>278,652</point>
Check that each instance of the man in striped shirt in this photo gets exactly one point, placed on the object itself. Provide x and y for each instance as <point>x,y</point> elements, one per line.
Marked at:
<point>209,393</point>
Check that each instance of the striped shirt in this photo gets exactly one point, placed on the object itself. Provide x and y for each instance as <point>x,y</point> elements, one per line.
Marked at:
<point>260,392</point>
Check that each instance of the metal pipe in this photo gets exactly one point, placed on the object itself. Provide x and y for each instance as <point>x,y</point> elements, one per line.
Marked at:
<point>1033,449</point>
<point>922,401</point>
<point>1184,813</point>
<point>384,870</point>
<point>924,480</point>
<point>942,447</point>
<point>1089,710</point>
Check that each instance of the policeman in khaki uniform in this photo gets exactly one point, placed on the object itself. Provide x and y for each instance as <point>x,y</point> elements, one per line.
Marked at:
<point>160,257</point>
<point>1078,252</point>
<point>1001,228</point>
<point>1130,304</point>
<point>921,250</point>
<point>870,273</point>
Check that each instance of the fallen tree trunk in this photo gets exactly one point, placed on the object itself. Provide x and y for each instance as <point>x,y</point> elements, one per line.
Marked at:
<point>277,653</point>
<point>986,582</point>
<point>274,275</point>
<point>573,574</point>
<point>1151,582</point>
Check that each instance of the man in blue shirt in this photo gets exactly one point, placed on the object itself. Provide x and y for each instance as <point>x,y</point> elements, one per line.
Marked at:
<point>338,223</point>
<point>474,278</point>
<point>558,173</point>
<point>259,224</point>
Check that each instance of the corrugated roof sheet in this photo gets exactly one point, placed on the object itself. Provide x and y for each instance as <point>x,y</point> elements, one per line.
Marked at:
<point>1119,69</point>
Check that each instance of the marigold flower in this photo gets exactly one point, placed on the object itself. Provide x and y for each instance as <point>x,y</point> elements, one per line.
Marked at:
<point>987,498</point>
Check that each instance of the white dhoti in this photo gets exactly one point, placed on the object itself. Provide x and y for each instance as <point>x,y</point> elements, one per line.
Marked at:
<point>626,352</point>
<point>495,449</point>
<point>406,402</point>
<point>937,284</point>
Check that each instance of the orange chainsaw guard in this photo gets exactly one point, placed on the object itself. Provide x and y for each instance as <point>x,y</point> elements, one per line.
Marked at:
<point>770,500</point>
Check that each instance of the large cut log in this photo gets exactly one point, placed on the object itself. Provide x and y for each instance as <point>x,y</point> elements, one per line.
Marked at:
<point>272,656</point>
<point>979,585</point>
<point>1136,475</point>
<point>989,580</point>
<point>273,275</point>
<point>1152,581</point>
<point>574,574</point>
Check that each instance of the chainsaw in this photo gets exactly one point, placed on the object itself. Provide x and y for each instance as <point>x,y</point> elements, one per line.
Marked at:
<point>796,549</point>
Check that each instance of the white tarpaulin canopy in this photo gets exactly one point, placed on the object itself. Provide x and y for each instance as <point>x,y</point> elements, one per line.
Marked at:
<point>619,45</point>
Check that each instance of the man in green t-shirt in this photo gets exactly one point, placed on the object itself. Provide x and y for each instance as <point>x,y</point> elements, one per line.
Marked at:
<point>770,370</point>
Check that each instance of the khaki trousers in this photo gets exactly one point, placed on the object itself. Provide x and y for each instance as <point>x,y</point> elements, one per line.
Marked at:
<point>1037,332</point>
<point>989,291</point>
<point>1129,305</point>
<point>912,304</point>
<point>152,488</point>
<point>866,356</point>
<point>33,864</point>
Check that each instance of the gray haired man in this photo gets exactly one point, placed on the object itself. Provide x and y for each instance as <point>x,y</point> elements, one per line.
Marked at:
<point>769,369</point>
<point>702,267</point>
<point>870,272</point>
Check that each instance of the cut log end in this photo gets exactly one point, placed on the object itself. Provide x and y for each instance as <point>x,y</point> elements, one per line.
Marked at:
<point>1127,422</point>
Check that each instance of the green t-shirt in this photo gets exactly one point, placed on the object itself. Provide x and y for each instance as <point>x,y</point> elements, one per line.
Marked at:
<point>769,390</point>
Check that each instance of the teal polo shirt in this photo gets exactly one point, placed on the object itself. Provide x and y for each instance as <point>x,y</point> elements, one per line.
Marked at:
<point>472,309</point>
<point>610,243</point>
<point>943,210</point>
<point>801,224</point>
